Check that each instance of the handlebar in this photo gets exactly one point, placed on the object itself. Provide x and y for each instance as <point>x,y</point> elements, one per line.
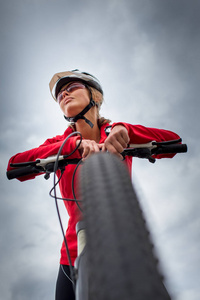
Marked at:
<point>23,171</point>
<point>177,148</point>
<point>135,150</point>
<point>38,166</point>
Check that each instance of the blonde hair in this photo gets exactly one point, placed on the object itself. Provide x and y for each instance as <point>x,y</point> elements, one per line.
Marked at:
<point>98,99</point>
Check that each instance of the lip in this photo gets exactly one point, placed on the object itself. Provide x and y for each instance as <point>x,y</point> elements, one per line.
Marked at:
<point>67,99</point>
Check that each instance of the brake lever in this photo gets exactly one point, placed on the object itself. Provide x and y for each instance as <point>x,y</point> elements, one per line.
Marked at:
<point>140,153</point>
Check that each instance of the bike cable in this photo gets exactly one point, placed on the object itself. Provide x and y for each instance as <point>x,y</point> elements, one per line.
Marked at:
<point>72,274</point>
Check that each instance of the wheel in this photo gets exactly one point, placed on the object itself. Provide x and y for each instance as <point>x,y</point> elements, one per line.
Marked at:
<point>121,263</point>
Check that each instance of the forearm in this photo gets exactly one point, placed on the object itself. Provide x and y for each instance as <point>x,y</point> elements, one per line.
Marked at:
<point>45,150</point>
<point>139,134</point>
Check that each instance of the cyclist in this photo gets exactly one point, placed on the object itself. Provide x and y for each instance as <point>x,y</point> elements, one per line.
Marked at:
<point>80,97</point>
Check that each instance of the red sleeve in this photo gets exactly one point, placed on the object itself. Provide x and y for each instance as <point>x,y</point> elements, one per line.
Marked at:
<point>49,148</point>
<point>139,134</point>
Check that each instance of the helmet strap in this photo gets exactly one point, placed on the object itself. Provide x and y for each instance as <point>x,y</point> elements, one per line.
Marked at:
<point>82,113</point>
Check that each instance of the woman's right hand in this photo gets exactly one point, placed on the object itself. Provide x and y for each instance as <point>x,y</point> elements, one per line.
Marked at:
<point>88,147</point>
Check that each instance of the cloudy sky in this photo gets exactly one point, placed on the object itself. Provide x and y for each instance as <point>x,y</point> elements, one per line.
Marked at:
<point>147,56</point>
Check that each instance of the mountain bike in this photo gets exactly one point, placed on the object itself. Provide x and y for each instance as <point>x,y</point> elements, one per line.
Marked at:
<point>116,257</point>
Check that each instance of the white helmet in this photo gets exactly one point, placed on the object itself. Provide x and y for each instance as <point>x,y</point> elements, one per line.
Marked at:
<point>62,78</point>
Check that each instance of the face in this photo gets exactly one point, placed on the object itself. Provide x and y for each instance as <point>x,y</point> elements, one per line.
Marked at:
<point>73,98</point>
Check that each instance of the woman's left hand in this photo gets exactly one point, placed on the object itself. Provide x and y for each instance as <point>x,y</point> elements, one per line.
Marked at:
<point>117,140</point>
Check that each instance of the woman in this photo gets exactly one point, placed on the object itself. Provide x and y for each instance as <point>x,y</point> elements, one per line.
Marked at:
<point>80,96</point>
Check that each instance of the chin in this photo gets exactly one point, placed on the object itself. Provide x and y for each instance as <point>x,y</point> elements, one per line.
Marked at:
<point>70,113</point>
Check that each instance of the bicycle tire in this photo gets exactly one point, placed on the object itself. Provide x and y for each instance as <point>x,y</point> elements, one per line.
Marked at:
<point>120,255</point>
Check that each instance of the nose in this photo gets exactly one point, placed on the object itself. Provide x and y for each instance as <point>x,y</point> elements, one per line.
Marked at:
<point>62,94</point>
<point>65,92</point>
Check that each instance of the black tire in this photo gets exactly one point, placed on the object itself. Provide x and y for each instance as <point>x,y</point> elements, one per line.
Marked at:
<point>121,263</point>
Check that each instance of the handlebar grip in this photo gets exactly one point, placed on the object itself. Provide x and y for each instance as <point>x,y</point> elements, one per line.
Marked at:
<point>174,148</point>
<point>28,170</point>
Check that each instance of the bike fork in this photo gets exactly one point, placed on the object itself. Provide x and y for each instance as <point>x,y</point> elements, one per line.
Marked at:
<point>81,264</point>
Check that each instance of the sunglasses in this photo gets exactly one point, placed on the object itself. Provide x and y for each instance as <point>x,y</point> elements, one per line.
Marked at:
<point>69,89</point>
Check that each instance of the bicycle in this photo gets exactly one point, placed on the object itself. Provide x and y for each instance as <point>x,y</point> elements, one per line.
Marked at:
<point>115,229</point>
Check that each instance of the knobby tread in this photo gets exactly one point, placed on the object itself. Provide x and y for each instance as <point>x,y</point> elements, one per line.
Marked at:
<point>121,260</point>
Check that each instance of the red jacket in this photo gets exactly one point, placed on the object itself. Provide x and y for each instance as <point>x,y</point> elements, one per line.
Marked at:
<point>138,135</point>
